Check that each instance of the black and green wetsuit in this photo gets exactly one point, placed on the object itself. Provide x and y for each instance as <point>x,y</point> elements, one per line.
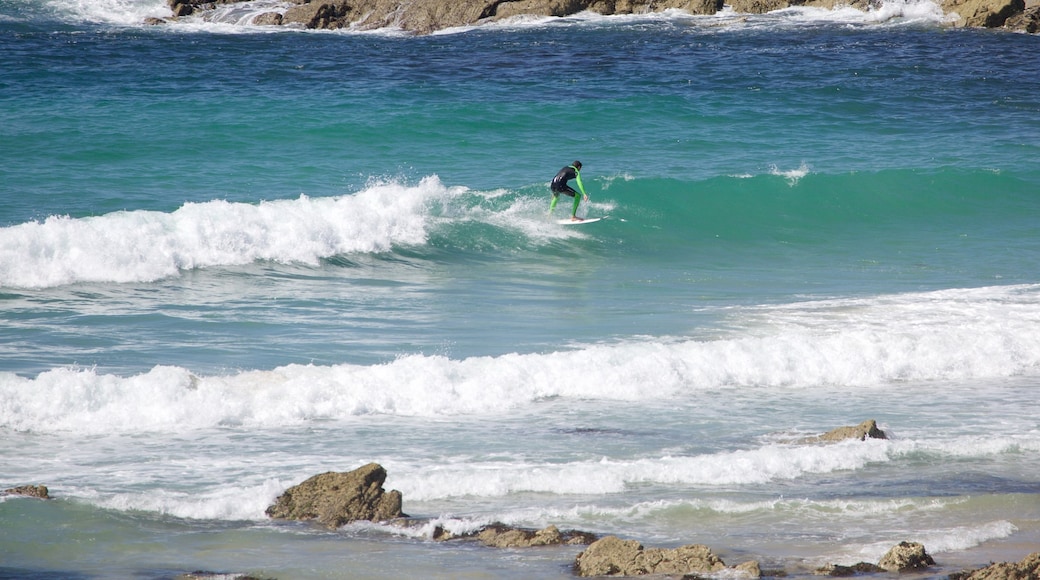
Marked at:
<point>559,185</point>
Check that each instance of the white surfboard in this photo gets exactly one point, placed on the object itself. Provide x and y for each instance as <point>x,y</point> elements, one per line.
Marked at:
<point>569,222</point>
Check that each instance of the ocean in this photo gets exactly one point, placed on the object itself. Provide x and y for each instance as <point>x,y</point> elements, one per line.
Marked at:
<point>233,257</point>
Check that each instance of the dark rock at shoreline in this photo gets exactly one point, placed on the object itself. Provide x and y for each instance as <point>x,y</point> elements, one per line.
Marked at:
<point>38,491</point>
<point>335,499</point>
<point>612,556</point>
<point>1027,21</point>
<point>426,16</point>
<point>1027,569</point>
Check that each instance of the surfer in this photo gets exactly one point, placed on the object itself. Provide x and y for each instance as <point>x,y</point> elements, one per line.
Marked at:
<point>559,185</point>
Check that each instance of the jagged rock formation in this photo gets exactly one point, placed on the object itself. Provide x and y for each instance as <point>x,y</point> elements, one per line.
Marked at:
<point>425,16</point>
<point>612,556</point>
<point>39,491</point>
<point>1027,569</point>
<point>335,499</point>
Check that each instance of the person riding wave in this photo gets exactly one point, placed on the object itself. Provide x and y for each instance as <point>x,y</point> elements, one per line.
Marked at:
<point>559,185</point>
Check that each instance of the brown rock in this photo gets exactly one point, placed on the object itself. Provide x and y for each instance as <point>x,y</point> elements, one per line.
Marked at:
<point>612,556</point>
<point>502,536</point>
<point>1028,21</point>
<point>865,429</point>
<point>335,499</point>
<point>985,13</point>
<point>39,491</point>
<point>1027,569</point>
<point>424,16</point>
<point>268,19</point>
<point>906,557</point>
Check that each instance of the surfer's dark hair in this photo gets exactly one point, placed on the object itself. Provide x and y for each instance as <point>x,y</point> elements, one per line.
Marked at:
<point>577,164</point>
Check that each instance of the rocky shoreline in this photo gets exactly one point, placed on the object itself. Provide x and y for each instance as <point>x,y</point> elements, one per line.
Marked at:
<point>333,499</point>
<point>426,16</point>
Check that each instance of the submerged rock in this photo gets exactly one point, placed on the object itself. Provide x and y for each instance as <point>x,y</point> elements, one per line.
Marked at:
<point>335,499</point>
<point>612,556</point>
<point>839,571</point>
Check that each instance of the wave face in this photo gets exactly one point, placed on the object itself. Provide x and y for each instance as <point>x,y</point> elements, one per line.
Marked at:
<point>232,258</point>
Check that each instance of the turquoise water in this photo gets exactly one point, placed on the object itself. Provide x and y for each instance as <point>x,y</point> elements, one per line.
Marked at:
<point>234,257</point>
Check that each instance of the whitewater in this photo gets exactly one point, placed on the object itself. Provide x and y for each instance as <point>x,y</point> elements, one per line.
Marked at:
<point>234,257</point>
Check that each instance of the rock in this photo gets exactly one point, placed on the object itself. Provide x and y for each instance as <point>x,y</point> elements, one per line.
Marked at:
<point>840,571</point>
<point>425,16</point>
<point>39,491</point>
<point>268,19</point>
<point>322,15</point>
<point>1028,21</point>
<point>1027,569</point>
<point>335,499</point>
<point>502,536</point>
<point>612,556</point>
<point>865,429</point>
<point>203,575</point>
<point>984,13</point>
<point>906,557</point>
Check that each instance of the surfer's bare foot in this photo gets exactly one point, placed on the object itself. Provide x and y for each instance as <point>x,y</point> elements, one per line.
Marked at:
<point>575,218</point>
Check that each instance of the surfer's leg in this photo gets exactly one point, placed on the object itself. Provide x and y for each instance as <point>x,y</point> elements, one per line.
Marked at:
<point>574,210</point>
<point>552,204</point>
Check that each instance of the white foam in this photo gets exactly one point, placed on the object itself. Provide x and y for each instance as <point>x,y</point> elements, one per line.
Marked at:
<point>984,333</point>
<point>225,502</point>
<point>791,175</point>
<point>118,12</point>
<point>141,246</point>
<point>605,476</point>
<point>936,541</point>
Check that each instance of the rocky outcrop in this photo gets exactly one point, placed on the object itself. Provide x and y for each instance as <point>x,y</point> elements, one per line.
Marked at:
<point>502,536</point>
<point>335,499</point>
<point>1027,21</point>
<point>425,16</point>
<point>39,491</point>
<point>1027,569</point>
<point>904,557</point>
<point>862,431</point>
<point>612,556</point>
